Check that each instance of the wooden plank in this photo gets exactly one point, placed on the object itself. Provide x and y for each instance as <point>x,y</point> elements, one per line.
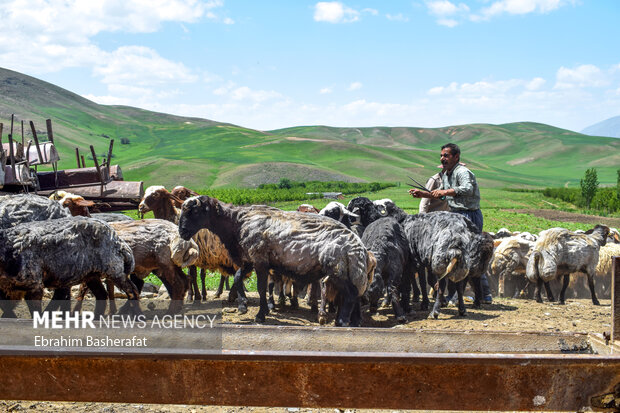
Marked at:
<point>113,191</point>
<point>36,140</point>
<point>75,177</point>
<point>50,133</point>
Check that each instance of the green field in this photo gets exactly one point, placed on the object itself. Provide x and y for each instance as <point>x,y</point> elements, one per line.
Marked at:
<point>170,150</point>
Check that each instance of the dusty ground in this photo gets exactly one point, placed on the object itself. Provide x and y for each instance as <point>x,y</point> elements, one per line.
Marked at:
<point>505,314</point>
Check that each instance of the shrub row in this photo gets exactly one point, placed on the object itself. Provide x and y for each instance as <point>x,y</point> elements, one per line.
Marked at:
<point>291,191</point>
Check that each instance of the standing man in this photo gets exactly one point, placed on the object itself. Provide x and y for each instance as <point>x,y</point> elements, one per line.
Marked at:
<point>459,186</point>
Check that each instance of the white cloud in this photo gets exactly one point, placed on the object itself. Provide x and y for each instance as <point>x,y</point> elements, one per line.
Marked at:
<point>520,7</point>
<point>355,86</point>
<point>451,14</point>
<point>334,12</point>
<point>445,8</point>
<point>397,17</point>
<point>325,90</point>
<point>373,12</point>
<point>137,65</point>
<point>447,12</point>
<point>581,76</point>
<point>57,33</point>
<point>535,84</point>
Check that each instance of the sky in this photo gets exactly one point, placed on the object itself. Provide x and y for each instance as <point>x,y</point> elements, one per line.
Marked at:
<point>274,64</point>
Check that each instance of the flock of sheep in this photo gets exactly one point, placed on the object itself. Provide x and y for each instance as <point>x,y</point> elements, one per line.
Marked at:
<point>342,257</point>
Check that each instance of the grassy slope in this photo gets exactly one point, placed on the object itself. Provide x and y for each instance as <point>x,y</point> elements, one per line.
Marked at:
<point>199,153</point>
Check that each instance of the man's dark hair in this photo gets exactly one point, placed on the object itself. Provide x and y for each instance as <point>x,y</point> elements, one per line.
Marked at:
<point>454,149</point>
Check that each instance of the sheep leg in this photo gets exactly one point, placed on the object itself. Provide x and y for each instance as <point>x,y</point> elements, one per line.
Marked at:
<point>549,292</point>
<point>476,283</point>
<point>356,314</point>
<point>460,286</point>
<point>194,293</point>
<point>270,287</point>
<point>415,288</point>
<point>348,298</point>
<point>237,287</point>
<point>80,298</point>
<point>220,288</point>
<point>538,292</point>
<point>101,296</point>
<point>60,299</point>
<point>7,306</point>
<point>592,289</point>
<point>394,293</point>
<point>131,287</point>
<point>293,298</point>
<point>565,281</point>
<point>322,318</point>
<point>203,276</point>
<point>313,297</point>
<point>375,291</point>
<point>423,289</point>
<point>404,289</point>
<point>133,294</point>
<point>33,300</point>
<point>109,285</point>
<point>500,285</point>
<point>262,275</point>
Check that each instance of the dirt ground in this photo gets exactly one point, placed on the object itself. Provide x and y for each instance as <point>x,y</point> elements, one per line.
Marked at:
<point>504,314</point>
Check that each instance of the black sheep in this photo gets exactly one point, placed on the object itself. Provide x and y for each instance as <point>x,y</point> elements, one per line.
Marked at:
<point>386,240</point>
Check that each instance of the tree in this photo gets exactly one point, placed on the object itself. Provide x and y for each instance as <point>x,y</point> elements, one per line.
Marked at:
<point>589,186</point>
<point>618,185</point>
<point>285,183</point>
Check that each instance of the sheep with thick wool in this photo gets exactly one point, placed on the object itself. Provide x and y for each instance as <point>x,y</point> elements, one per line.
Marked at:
<point>58,254</point>
<point>559,252</point>
<point>305,247</point>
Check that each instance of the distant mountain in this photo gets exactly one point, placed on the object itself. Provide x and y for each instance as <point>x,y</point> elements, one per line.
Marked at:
<point>609,128</point>
<point>164,149</point>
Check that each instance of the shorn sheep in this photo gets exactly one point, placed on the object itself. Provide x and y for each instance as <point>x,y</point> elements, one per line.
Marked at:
<point>61,253</point>
<point>560,252</point>
<point>305,247</point>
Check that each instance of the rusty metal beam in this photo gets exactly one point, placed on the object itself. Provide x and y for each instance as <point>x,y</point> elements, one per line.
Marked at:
<point>408,381</point>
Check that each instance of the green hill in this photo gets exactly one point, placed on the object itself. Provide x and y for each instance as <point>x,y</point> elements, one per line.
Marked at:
<point>170,150</point>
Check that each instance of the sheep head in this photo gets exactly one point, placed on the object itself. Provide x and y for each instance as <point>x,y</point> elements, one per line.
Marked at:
<point>198,212</point>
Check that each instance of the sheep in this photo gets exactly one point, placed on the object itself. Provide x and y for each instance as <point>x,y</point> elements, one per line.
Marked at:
<point>466,250</point>
<point>157,248</point>
<point>340,213</point>
<point>386,240</point>
<point>603,273</point>
<point>614,236</point>
<point>305,247</point>
<point>307,208</point>
<point>213,254</point>
<point>16,209</point>
<point>76,204</point>
<point>509,261</point>
<point>369,212</point>
<point>559,252</point>
<point>60,253</point>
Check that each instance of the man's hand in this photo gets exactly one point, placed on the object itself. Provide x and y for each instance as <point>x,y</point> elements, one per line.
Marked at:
<point>416,193</point>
